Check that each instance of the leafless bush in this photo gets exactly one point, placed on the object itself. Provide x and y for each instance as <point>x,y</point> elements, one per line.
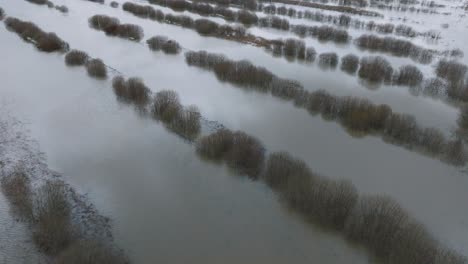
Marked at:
<point>17,189</point>
<point>463,121</point>
<point>47,42</point>
<point>139,10</point>
<point>375,69</point>
<point>385,28</point>
<point>114,4</point>
<point>327,33</point>
<point>76,58</point>
<point>104,23</point>
<point>401,129</point>
<point>404,30</point>
<point>131,91</point>
<point>285,89</point>
<point>96,68</point>
<point>247,18</point>
<point>2,14</point>
<point>90,252</point>
<point>166,106</point>
<point>53,231</point>
<point>202,8</point>
<point>186,123</point>
<point>168,46</point>
<point>111,26</point>
<point>409,75</point>
<point>310,54</point>
<point>206,27</point>
<point>434,87</point>
<point>328,60</point>
<point>455,152</point>
<point>294,48</point>
<point>350,63</point>
<point>39,2</point>
<point>451,71</point>
<point>226,13</point>
<point>216,145</point>
<point>395,46</point>
<point>242,153</point>
<point>62,8</point>
<point>449,256</point>
<point>282,172</point>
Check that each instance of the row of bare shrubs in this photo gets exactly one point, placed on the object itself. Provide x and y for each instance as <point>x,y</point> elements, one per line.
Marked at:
<point>339,20</point>
<point>95,67</point>
<point>357,115</point>
<point>396,47</point>
<point>376,222</point>
<point>454,73</point>
<point>164,44</point>
<point>47,42</point>
<point>164,106</point>
<point>111,26</point>
<point>48,212</point>
<point>61,8</point>
<point>181,4</point>
<point>323,33</point>
<point>336,8</point>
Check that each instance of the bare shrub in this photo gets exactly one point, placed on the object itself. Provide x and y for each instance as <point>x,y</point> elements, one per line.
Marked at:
<point>455,152</point>
<point>76,58</point>
<point>294,48</point>
<point>53,231</point>
<point>375,69</point>
<point>47,42</point>
<point>39,2</point>
<point>138,10</point>
<point>90,252</point>
<point>310,54</point>
<point>216,145</point>
<point>401,128</point>
<point>111,26</point>
<point>206,27</point>
<point>327,33</point>
<point>132,91</point>
<point>385,28</point>
<point>226,13</point>
<point>406,31</point>
<point>114,4</point>
<point>130,31</point>
<point>247,18</point>
<point>451,71</point>
<point>449,256</point>
<point>202,8</point>
<point>381,225</point>
<point>433,87</point>
<point>96,68</point>
<point>104,23</point>
<point>285,89</point>
<point>328,60</point>
<point>282,171</point>
<point>2,14</point>
<point>186,21</point>
<point>62,8</point>
<point>409,75</point>
<point>397,47</point>
<point>187,123</point>
<point>350,63</point>
<point>168,46</point>
<point>243,154</point>
<point>166,106</point>
<point>463,120</point>
<point>17,189</point>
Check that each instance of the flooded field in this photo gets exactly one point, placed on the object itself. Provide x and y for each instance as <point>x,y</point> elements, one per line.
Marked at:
<point>168,205</point>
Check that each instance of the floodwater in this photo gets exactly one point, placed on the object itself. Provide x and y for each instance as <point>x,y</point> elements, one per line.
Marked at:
<point>167,205</point>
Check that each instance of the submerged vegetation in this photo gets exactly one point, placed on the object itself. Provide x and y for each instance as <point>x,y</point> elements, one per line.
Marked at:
<point>164,44</point>
<point>76,58</point>
<point>397,47</point>
<point>28,31</point>
<point>111,26</point>
<point>358,115</point>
